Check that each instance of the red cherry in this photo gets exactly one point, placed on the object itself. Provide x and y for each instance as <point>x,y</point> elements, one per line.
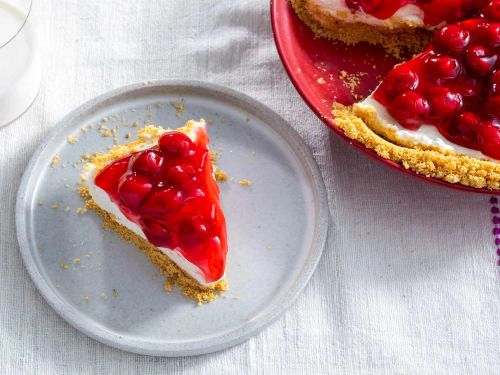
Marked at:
<point>183,176</point>
<point>176,144</point>
<point>452,39</point>
<point>495,78</point>
<point>162,202</point>
<point>492,11</point>
<point>444,103</point>
<point>410,109</point>
<point>444,68</point>
<point>193,230</point>
<point>399,80</point>
<point>493,106</point>
<point>495,82</point>
<point>109,178</point>
<point>468,87</point>
<point>147,162</point>
<point>490,34</point>
<point>479,60</point>
<point>367,6</point>
<point>465,126</point>
<point>489,137</point>
<point>133,189</point>
<point>156,233</point>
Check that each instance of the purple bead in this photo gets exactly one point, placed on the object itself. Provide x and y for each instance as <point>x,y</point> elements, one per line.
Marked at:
<point>493,200</point>
<point>495,210</point>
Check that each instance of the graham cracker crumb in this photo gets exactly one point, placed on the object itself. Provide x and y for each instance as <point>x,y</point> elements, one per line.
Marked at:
<point>245,182</point>
<point>41,202</point>
<point>179,106</point>
<point>167,286</point>
<point>321,81</point>
<point>128,135</point>
<point>72,139</point>
<point>77,260</point>
<point>248,119</point>
<point>103,295</point>
<point>55,160</point>
<point>210,122</point>
<point>116,293</point>
<point>54,206</point>
<point>86,298</point>
<point>64,265</point>
<point>220,175</point>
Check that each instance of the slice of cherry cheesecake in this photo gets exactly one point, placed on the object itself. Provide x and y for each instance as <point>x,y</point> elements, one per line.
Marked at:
<point>439,113</point>
<point>159,193</point>
<point>403,25</point>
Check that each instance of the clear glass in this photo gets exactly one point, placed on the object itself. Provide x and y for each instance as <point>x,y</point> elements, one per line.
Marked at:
<point>20,72</point>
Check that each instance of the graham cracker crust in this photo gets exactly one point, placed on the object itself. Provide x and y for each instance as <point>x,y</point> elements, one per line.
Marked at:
<point>359,124</point>
<point>396,37</point>
<point>175,276</point>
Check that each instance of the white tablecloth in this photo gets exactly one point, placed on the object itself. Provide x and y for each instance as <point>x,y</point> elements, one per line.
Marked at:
<point>408,283</point>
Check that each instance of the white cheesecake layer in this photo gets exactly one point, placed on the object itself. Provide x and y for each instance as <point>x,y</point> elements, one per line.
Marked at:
<point>408,14</point>
<point>427,135</point>
<point>102,199</point>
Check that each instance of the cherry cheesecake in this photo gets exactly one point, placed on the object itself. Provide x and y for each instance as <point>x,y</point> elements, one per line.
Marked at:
<point>159,193</point>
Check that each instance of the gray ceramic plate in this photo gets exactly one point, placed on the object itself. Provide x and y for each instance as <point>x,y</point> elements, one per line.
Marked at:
<point>107,289</point>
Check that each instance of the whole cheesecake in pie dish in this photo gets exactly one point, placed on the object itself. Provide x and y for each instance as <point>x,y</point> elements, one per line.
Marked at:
<point>438,113</point>
<point>159,193</point>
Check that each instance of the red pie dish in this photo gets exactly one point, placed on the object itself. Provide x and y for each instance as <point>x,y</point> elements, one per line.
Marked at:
<point>434,115</point>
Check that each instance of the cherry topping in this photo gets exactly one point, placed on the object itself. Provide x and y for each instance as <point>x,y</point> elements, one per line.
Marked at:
<point>156,233</point>
<point>492,11</point>
<point>148,162</point>
<point>401,79</point>
<point>480,60</point>
<point>444,67</point>
<point>194,230</point>
<point>183,176</point>
<point>452,39</point>
<point>495,82</point>
<point>176,144</point>
<point>444,103</point>
<point>465,127</point>
<point>410,109</point>
<point>489,136</point>
<point>169,191</point>
<point>455,83</point>
<point>162,202</point>
<point>493,106</point>
<point>133,189</point>
<point>435,11</point>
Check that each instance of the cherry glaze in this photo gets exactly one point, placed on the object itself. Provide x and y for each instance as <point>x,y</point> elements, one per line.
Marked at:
<point>169,191</point>
<point>435,11</point>
<point>454,84</point>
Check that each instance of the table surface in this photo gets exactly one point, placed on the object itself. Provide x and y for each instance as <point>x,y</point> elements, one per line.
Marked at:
<point>408,283</point>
